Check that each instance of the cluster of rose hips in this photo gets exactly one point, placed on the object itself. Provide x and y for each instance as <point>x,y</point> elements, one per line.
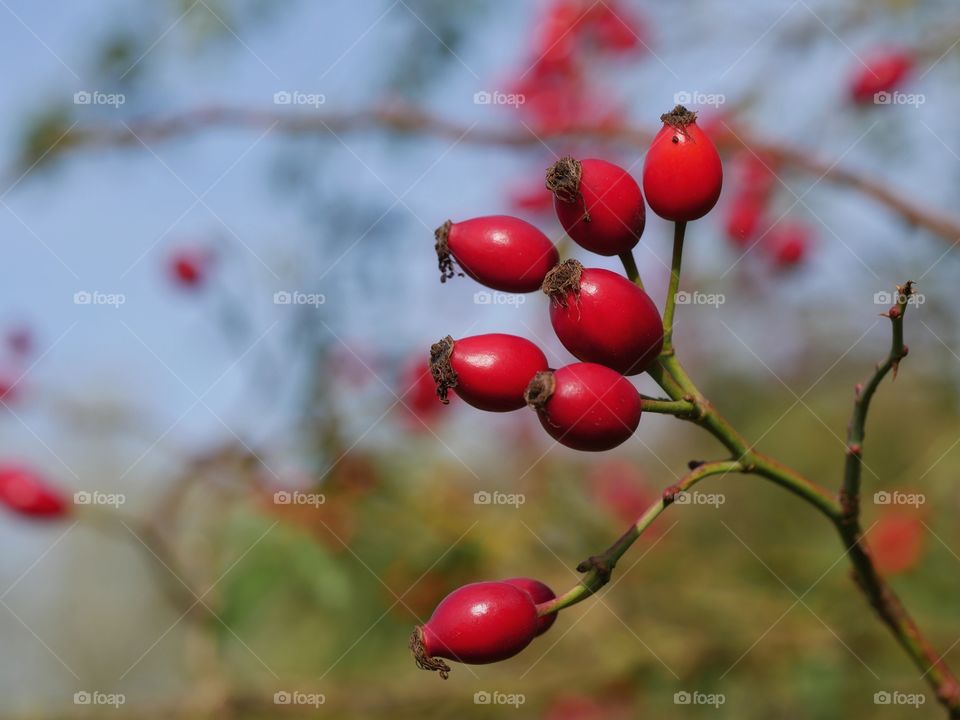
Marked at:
<point>602,318</point>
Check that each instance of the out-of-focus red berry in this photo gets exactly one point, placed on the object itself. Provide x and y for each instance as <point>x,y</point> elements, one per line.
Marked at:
<point>620,489</point>
<point>418,393</point>
<point>189,267</point>
<point>616,28</point>
<point>788,243</point>
<point>20,341</point>
<point>27,493</point>
<point>531,196</point>
<point>896,542</point>
<point>744,219</point>
<point>883,71</point>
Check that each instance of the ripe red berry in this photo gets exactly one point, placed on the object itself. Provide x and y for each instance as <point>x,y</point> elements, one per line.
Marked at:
<point>744,218</point>
<point>539,593</point>
<point>788,244</point>
<point>189,267</point>
<point>27,493</point>
<point>682,173</point>
<point>489,372</point>
<point>418,395</point>
<point>896,542</point>
<point>884,71</point>
<point>615,28</point>
<point>476,624</point>
<point>602,317</point>
<point>585,406</point>
<point>598,203</point>
<point>502,252</point>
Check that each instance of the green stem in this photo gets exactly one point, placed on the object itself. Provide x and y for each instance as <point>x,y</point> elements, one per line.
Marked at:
<point>630,267</point>
<point>679,229</point>
<point>599,568</point>
<point>668,407</point>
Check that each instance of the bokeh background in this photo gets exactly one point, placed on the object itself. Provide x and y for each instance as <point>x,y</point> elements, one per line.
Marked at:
<point>178,163</point>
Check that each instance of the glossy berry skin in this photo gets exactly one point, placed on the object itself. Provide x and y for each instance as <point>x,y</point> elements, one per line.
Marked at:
<point>481,623</point>
<point>604,318</point>
<point>885,71</point>
<point>539,593</point>
<point>586,406</point>
<point>27,493</point>
<point>598,203</point>
<point>502,252</point>
<point>682,172</point>
<point>489,372</point>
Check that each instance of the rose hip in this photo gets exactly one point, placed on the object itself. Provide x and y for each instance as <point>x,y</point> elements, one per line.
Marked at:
<point>25,492</point>
<point>489,372</point>
<point>539,593</point>
<point>598,203</point>
<point>502,252</point>
<point>682,173</point>
<point>602,317</point>
<point>481,623</point>
<point>883,72</point>
<point>585,406</point>
<point>788,244</point>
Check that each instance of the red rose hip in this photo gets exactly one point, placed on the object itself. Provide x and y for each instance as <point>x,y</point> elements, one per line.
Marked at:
<point>585,406</point>
<point>27,493</point>
<point>682,173</point>
<point>489,372</point>
<point>602,317</point>
<point>598,203</point>
<point>476,624</point>
<point>502,252</point>
<point>539,593</point>
<point>883,72</point>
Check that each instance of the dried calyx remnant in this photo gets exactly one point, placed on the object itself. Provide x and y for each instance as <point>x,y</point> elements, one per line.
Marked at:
<point>679,118</point>
<point>563,280</point>
<point>423,660</point>
<point>444,258</point>
<point>540,389</point>
<point>443,373</point>
<point>563,180</point>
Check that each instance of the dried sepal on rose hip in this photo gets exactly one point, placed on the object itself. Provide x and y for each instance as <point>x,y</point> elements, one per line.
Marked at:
<point>602,317</point>
<point>502,252</point>
<point>682,172</point>
<point>27,493</point>
<point>598,203</point>
<point>490,372</point>
<point>585,406</point>
<point>476,624</point>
